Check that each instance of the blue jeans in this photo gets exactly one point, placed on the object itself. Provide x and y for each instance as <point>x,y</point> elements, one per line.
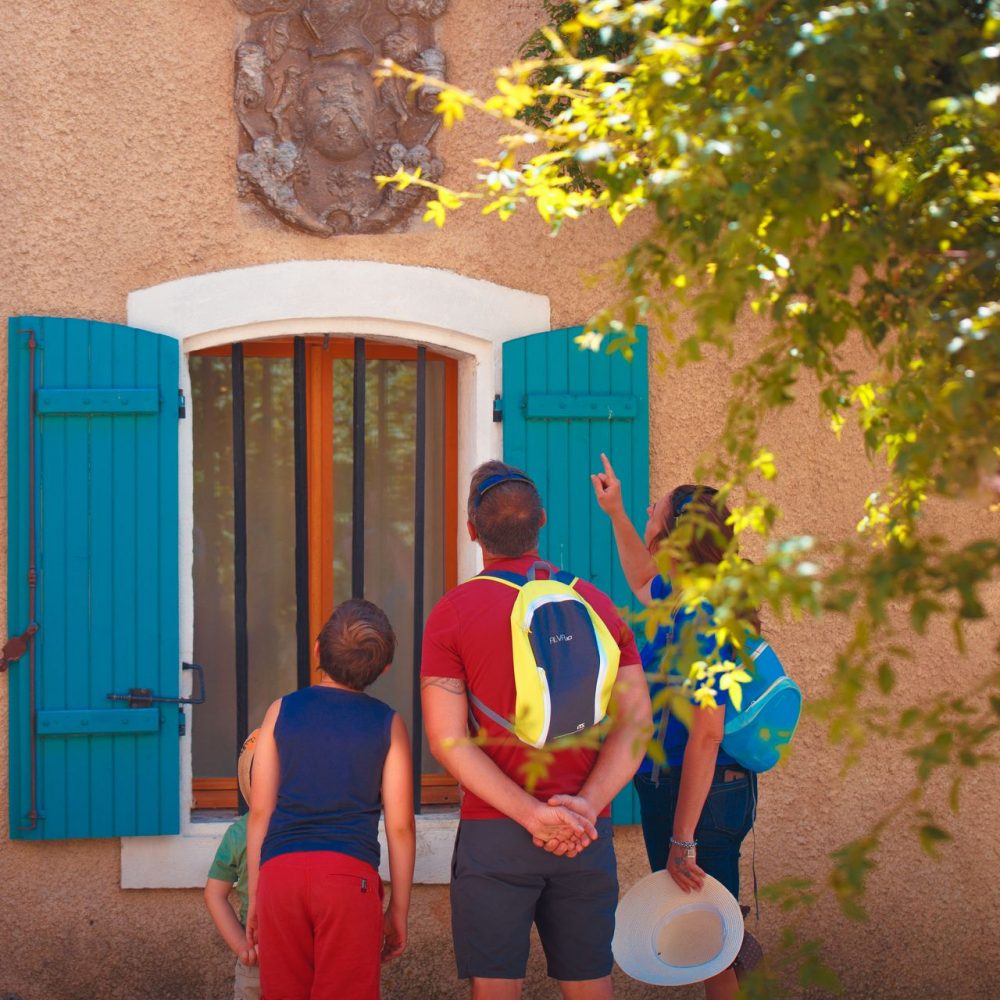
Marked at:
<point>726,819</point>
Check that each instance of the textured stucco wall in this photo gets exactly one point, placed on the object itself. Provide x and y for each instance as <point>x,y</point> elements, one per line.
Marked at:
<point>119,174</point>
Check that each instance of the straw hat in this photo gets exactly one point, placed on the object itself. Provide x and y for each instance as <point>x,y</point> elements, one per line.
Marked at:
<point>670,937</point>
<point>246,763</point>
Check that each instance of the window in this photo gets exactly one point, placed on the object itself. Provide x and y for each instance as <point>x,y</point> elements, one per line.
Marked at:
<point>353,497</point>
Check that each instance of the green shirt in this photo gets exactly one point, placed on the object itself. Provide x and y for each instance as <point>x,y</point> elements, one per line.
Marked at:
<point>230,864</point>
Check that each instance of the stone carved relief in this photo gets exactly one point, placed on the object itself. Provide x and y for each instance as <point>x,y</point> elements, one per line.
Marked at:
<point>317,127</point>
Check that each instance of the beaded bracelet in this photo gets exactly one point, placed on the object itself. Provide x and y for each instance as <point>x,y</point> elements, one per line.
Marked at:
<point>689,844</point>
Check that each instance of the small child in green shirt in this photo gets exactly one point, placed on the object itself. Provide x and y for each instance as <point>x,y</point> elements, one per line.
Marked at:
<point>229,871</point>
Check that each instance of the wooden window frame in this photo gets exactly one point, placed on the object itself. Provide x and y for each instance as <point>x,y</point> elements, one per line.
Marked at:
<point>436,789</point>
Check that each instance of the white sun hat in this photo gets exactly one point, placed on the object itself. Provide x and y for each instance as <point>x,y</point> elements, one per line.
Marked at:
<point>670,937</point>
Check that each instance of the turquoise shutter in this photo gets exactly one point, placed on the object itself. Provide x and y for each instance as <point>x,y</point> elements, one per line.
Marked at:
<point>561,408</point>
<point>105,491</point>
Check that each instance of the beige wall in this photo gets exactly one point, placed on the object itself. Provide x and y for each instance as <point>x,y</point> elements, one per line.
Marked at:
<point>119,173</point>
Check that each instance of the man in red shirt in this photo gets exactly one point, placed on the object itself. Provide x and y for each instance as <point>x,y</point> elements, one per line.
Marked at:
<point>545,856</point>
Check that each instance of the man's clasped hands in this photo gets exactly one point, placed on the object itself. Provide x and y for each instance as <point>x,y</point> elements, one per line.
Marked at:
<point>564,825</point>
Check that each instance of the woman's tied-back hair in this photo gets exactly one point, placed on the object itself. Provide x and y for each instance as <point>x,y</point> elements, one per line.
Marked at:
<point>709,539</point>
<point>708,545</point>
<point>507,514</point>
<point>356,644</point>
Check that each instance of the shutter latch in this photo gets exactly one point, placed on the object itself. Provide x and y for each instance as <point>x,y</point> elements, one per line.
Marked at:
<point>17,646</point>
<point>144,697</point>
<point>497,409</point>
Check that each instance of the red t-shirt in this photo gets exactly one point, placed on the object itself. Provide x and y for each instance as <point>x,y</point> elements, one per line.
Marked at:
<point>468,636</point>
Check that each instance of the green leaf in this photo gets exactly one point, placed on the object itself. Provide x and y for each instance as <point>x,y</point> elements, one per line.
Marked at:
<point>818,974</point>
<point>931,838</point>
<point>886,678</point>
<point>921,611</point>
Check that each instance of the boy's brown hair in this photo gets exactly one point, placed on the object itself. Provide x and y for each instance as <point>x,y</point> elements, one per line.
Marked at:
<point>356,644</point>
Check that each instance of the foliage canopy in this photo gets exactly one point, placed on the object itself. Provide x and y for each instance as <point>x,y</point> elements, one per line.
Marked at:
<point>834,167</point>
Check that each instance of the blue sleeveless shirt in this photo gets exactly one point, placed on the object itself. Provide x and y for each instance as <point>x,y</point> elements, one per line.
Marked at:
<point>332,746</point>
<point>667,643</point>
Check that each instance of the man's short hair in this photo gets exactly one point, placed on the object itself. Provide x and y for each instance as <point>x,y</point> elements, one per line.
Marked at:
<point>507,516</point>
<point>356,644</point>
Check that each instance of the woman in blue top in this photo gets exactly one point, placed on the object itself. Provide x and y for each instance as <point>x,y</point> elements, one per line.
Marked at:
<point>698,808</point>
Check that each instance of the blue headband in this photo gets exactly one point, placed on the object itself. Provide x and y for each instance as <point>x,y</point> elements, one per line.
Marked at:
<point>683,505</point>
<point>705,493</point>
<point>501,477</point>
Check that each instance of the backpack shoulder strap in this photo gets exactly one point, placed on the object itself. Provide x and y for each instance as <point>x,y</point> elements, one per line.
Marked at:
<point>487,711</point>
<point>511,579</point>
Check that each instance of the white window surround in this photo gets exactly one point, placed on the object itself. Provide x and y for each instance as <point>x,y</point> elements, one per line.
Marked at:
<point>466,318</point>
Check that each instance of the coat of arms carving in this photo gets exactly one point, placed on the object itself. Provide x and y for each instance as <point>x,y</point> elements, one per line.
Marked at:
<point>317,127</point>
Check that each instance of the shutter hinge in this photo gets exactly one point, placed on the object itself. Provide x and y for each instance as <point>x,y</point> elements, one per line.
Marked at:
<point>16,646</point>
<point>497,409</point>
<point>181,405</point>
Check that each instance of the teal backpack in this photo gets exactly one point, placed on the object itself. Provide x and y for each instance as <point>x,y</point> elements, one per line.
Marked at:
<point>772,702</point>
<point>771,705</point>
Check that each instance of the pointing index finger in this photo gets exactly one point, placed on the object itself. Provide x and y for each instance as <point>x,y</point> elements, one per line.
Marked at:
<point>607,465</point>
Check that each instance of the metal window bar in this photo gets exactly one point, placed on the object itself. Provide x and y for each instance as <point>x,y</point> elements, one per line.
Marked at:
<point>302,530</point>
<point>358,498</point>
<point>300,416</point>
<point>419,516</point>
<point>240,552</point>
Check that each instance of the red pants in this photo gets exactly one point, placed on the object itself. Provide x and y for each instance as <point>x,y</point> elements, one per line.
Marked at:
<point>319,927</point>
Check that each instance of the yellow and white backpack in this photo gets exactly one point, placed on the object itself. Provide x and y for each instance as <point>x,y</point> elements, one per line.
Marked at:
<point>565,658</point>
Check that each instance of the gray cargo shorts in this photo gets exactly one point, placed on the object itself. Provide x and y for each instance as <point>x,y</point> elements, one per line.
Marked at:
<point>501,884</point>
<point>246,984</point>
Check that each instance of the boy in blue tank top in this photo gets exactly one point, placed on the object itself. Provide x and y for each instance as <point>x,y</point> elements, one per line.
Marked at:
<point>328,760</point>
